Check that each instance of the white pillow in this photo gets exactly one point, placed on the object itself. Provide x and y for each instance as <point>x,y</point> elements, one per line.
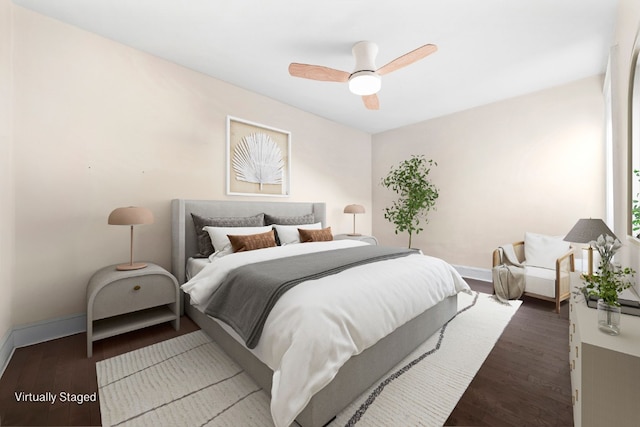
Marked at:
<point>221,242</point>
<point>543,251</point>
<point>288,234</point>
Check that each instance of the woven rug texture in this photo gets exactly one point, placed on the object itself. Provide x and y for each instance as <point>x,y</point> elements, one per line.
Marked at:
<point>190,381</point>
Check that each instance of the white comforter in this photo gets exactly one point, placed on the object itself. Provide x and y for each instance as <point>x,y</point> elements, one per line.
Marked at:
<point>318,325</point>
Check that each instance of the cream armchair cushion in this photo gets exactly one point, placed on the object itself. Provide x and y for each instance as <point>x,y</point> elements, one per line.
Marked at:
<point>540,281</point>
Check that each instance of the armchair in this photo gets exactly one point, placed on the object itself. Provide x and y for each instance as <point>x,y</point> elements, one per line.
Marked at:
<point>547,269</point>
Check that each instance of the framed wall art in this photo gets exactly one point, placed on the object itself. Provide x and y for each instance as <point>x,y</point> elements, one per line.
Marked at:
<point>258,159</point>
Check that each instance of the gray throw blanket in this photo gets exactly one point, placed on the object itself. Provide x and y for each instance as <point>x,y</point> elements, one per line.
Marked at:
<point>246,297</point>
<point>508,276</point>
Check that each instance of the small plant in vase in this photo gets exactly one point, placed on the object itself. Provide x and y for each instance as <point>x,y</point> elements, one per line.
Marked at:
<point>607,284</point>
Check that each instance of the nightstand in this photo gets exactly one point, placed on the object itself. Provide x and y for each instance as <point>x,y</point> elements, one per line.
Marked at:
<point>123,301</point>
<point>368,239</point>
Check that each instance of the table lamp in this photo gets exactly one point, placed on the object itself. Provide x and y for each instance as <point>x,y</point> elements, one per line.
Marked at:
<point>354,209</point>
<point>587,230</point>
<point>131,216</point>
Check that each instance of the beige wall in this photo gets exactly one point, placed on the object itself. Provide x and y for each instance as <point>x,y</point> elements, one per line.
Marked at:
<point>628,26</point>
<point>532,163</point>
<point>6,172</point>
<point>99,125</point>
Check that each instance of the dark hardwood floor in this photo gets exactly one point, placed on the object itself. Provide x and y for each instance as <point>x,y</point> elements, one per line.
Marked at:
<point>61,365</point>
<point>524,381</point>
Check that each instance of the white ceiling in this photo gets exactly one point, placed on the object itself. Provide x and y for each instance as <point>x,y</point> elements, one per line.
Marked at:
<point>487,50</point>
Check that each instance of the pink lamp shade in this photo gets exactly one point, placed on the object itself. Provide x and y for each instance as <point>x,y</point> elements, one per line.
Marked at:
<point>354,209</point>
<point>131,216</point>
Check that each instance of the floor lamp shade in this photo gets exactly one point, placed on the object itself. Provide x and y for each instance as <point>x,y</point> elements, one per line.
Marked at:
<point>131,216</point>
<point>355,210</point>
<point>587,230</point>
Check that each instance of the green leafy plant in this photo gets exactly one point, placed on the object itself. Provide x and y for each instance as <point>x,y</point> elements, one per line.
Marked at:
<point>417,194</point>
<point>611,279</point>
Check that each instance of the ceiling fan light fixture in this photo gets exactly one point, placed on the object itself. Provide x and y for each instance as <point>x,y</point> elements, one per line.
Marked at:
<point>365,80</point>
<point>365,83</point>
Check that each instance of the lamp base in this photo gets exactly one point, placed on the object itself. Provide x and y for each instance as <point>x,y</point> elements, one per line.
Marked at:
<point>354,234</point>
<point>133,266</point>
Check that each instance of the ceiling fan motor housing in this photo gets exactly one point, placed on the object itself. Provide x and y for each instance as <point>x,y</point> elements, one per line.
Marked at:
<point>364,80</point>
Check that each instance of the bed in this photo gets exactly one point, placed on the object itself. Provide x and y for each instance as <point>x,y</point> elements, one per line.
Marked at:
<point>359,372</point>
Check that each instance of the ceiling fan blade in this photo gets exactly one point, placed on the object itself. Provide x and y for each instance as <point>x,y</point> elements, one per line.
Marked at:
<point>407,59</point>
<point>317,72</point>
<point>371,102</point>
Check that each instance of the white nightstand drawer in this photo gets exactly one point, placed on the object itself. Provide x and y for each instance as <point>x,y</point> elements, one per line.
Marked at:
<point>133,294</point>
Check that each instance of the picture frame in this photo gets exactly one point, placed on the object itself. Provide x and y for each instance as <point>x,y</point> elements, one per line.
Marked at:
<point>258,159</point>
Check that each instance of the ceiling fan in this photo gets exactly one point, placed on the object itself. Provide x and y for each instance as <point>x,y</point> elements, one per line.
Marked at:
<point>365,79</point>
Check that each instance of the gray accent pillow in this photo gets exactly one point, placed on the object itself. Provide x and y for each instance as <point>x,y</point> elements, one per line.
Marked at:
<point>205,247</point>
<point>289,220</point>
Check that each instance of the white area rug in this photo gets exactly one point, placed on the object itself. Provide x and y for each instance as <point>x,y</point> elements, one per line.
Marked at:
<point>189,381</point>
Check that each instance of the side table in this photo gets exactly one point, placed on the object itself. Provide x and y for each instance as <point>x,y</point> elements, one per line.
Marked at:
<point>123,301</point>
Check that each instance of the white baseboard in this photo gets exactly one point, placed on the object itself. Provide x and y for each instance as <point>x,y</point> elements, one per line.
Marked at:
<point>6,350</point>
<point>34,333</point>
<point>47,330</point>
<point>476,273</point>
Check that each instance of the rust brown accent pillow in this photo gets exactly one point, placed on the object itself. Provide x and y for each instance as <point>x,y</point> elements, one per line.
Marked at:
<point>322,235</point>
<point>252,241</point>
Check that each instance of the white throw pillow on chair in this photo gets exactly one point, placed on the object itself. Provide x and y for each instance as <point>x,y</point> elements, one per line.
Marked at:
<point>543,251</point>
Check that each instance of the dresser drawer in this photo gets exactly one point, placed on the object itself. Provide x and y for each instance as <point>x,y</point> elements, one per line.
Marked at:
<point>132,294</point>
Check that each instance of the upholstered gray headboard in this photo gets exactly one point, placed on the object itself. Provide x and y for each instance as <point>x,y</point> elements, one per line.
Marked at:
<point>183,235</point>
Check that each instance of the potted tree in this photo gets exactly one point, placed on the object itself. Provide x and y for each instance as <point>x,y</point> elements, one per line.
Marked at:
<point>607,284</point>
<point>416,194</point>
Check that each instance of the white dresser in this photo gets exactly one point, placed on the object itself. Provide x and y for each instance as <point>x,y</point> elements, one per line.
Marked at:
<point>605,370</point>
